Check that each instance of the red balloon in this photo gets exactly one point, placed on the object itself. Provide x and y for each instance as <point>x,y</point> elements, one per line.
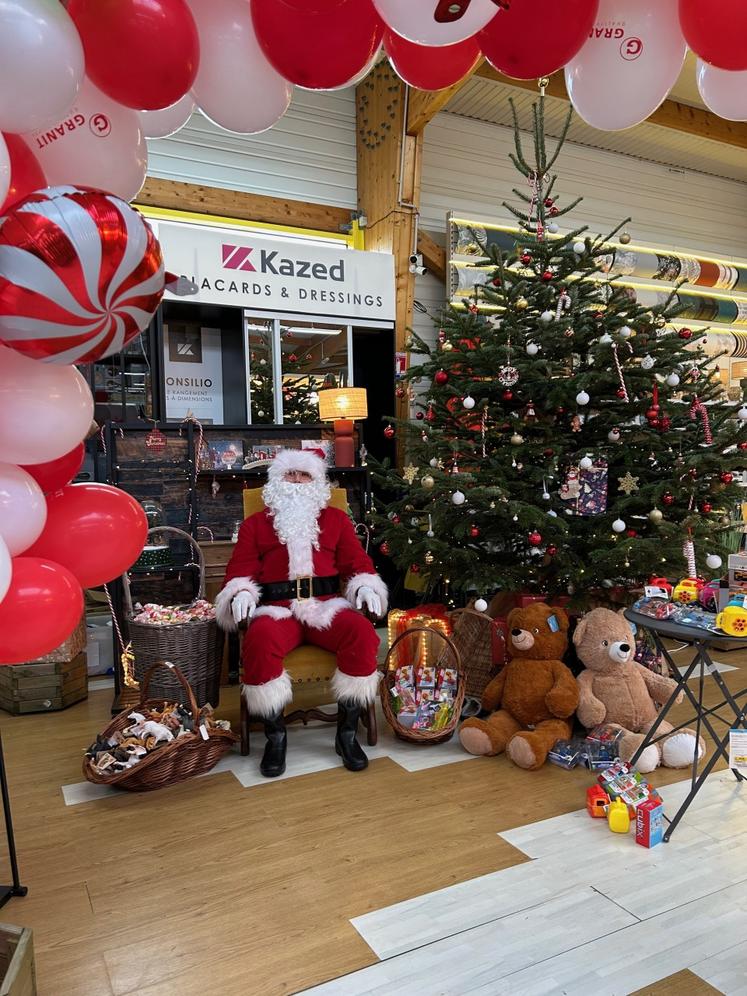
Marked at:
<point>431,67</point>
<point>716,31</point>
<point>142,53</point>
<point>512,43</point>
<point>322,50</point>
<point>43,606</point>
<point>94,530</point>
<point>26,174</point>
<point>57,473</point>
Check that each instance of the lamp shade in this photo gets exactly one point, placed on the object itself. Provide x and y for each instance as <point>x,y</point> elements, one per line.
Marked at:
<point>342,403</point>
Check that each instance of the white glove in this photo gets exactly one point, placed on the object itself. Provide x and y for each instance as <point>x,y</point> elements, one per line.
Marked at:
<point>367,597</point>
<point>243,607</point>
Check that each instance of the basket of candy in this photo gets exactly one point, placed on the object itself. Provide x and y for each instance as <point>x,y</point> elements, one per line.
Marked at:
<point>158,743</point>
<point>422,698</point>
<point>187,635</point>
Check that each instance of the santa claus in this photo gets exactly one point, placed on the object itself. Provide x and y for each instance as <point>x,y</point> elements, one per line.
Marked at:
<point>290,563</point>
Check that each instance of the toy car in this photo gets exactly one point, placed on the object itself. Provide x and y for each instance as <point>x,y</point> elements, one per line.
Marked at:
<point>688,590</point>
<point>662,583</point>
<point>708,595</point>
<point>733,620</point>
<point>597,801</point>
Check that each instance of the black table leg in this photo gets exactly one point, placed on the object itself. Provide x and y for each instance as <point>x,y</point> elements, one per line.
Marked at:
<point>16,889</point>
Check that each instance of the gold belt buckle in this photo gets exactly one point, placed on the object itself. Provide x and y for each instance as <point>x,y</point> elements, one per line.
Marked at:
<point>299,594</point>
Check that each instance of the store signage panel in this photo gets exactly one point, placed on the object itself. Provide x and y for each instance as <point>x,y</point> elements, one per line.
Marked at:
<point>236,267</point>
<point>193,372</point>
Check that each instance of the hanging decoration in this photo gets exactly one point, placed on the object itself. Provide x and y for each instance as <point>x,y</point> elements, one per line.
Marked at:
<point>628,484</point>
<point>688,550</point>
<point>698,409</point>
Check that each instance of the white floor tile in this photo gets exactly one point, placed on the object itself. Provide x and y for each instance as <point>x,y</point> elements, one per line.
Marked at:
<point>719,665</point>
<point>86,792</point>
<point>726,971</point>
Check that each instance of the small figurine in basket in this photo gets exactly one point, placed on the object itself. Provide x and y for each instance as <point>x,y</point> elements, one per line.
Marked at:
<point>290,563</point>
<point>534,695</point>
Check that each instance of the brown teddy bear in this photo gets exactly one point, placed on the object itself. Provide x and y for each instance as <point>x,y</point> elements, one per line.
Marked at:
<point>536,692</point>
<point>615,689</point>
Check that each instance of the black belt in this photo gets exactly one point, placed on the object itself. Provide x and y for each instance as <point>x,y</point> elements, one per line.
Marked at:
<point>301,588</point>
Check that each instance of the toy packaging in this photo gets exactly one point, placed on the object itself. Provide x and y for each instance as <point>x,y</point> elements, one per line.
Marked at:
<point>423,697</point>
<point>597,802</point>
<point>566,753</point>
<point>656,608</point>
<point>649,823</point>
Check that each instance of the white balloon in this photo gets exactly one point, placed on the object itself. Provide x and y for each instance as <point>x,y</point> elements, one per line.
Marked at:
<point>99,144</point>
<point>161,124</point>
<point>628,64</point>
<point>416,20</point>
<point>481,605</point>
<point>6,570</point>
<point>41,64</point>
<point>236,87</point>
<point>4,169</point>
<point>23,509</point>
<point>724,92</point>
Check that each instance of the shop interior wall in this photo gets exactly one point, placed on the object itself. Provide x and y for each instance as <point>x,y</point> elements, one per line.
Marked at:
<point>466,169</point>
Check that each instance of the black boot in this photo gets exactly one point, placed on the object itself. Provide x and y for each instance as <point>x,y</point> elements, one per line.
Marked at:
<point>346,744</point>
<point>273,759</point>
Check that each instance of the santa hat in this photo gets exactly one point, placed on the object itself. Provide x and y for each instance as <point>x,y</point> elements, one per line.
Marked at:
<point>311,461</point>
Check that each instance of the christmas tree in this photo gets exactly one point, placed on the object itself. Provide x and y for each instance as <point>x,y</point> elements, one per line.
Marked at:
<point>569,440</point>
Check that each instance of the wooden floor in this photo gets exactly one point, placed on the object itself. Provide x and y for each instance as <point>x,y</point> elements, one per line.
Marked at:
<point>209,888</point>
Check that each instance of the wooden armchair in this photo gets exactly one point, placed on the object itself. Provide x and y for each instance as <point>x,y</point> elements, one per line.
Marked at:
<point>310,668</point>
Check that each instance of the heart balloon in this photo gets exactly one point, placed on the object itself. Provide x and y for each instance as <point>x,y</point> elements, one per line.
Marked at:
<point>41,64</point>
<point>628,64</point>
<point>236,87</point>
<point>6,570</point>
<point>26,174</point>
<point>319,51</point>
<point>511,43</point>
<point>437,22</point>
<point>42,607</point>
<point>57,473</point>
<point>81,274</point>
<point>23,510</point>
<point>716,31</point>
<point>45,409</point>
<point>142,53</point>
<point>428,67</point>
<point>161,124</point>
<point>99,144</point>
<point>95,530</point>
<point>724,92</point>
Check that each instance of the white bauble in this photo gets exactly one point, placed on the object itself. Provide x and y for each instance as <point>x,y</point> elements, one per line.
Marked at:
<point>458,498</point>
<point>647,362</point>
<point>433,462</point>
<point>481,605</point>
<point>516,439</point>
<point>468,402</point>
<point>605,339</point>
<point>742,414</point>
<point>586,463</point>
<point>618,526</point>
<point>656,516</point>
<point>614,435</point>
<point>579,248</point>
<point>553,514</point>
<point>713,561</point>
<point>673,380</point>
<point>552,227</point>
<point>547,317</point>
<point>532,349</point>
<point>626,331</point>
<point>582,398</point>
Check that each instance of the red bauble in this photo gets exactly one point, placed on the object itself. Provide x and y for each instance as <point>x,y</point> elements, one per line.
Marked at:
<point>400,392</point>
<point>692,473</point>
<point>395,519</point>
<point>430,415</point>
<point>415,568</point>
<point>554,212</point>
<point>389,431</point>
<point>473,309</point>
<point>526,258</point>
<point>551,550</point>
<point>418,415</point>
<point>653,413</point>
<point>535,538</point>
<point>441,377</point>
<point>706,507</point>
<point>560,411</point>
<point>385,548</point>
<point>631,533</point>
<point>742,446</point>
<point>474,532</point>
<point>548,275</point>
<point>668,498</point>
<point>507,395</point>
<point>663,423</point>
<point>685,333</point>
<point>548,452</point>
<point>621,393</point>
<point>726,477</point>
<point>496,281</point>
<point>549,201</point>
<point>293,358</point>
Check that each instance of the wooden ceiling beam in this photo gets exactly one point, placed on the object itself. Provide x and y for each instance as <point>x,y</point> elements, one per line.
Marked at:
<point>434,256</point>
<point>424,105</point>
<point>670,114</point>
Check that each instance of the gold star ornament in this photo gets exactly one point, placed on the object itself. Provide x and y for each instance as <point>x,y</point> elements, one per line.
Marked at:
<point>628,484</point>
<point>410,473</point>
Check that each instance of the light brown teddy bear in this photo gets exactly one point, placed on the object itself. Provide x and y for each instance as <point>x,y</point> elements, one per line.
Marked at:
<point>615,689</point>
<point>536,692</point>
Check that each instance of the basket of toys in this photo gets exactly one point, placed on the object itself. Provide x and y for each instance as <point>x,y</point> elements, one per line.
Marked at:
<point>187,635</point>
<point>422,698</point>
<point>158,743</point>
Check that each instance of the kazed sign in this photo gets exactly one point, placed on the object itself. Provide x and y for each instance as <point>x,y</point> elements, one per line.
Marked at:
<point>237,258</point>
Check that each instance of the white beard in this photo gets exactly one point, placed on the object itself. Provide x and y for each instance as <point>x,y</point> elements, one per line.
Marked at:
<point>295,510</point>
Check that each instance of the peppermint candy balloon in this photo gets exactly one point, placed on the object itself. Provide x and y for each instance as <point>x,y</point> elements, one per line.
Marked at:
<point>81,274</point>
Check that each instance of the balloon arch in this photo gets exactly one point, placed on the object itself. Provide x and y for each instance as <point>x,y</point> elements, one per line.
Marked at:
<point>83,84</point>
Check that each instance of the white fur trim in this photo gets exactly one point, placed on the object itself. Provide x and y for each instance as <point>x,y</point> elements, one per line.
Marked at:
<point>372,581</point>
<point>265,701</point>
<point>274,611</point>
<point>304,460</point>
<point>361,691</point>
<point>226,595</point>
<point>678,750</point>
<point>317,612</point>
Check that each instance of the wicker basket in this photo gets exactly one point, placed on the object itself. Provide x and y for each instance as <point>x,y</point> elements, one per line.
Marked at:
<point>474,633</point>
<point>195,647</point>
<point>447,657</point>
<point>177,760</point>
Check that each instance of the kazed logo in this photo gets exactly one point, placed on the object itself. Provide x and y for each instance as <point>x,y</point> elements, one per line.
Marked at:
<point>270,261</point>
<point>185,344</point>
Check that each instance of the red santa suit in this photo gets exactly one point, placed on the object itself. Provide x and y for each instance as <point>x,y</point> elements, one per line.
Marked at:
<point>324,546</point>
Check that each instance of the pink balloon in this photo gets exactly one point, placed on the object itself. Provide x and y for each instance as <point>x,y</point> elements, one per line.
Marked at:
<point>6,570</point>
<point>160,124</point>
<point>716,30</point>
<point>511,44</point>
<point>319,51</point>
<point>724,92</point>
<point>432,22</point>
<point>23,510</point>
<point>628,65</point>
<point>236,87</point>
<point>429,67</point>
<point>45,409</point>
<point>99,144</point>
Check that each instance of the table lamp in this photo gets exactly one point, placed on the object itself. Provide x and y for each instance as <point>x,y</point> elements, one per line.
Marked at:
<point>342,405</point>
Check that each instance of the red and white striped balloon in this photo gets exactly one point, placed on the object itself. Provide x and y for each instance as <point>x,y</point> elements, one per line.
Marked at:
<point>81,274</point>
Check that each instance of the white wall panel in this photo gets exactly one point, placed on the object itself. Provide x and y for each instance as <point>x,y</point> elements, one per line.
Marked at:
<point>309,155</point>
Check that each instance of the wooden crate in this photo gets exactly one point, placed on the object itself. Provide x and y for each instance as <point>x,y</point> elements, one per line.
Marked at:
<point>43,687</point>
<point>17,971</point>
<point>217,553</point>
